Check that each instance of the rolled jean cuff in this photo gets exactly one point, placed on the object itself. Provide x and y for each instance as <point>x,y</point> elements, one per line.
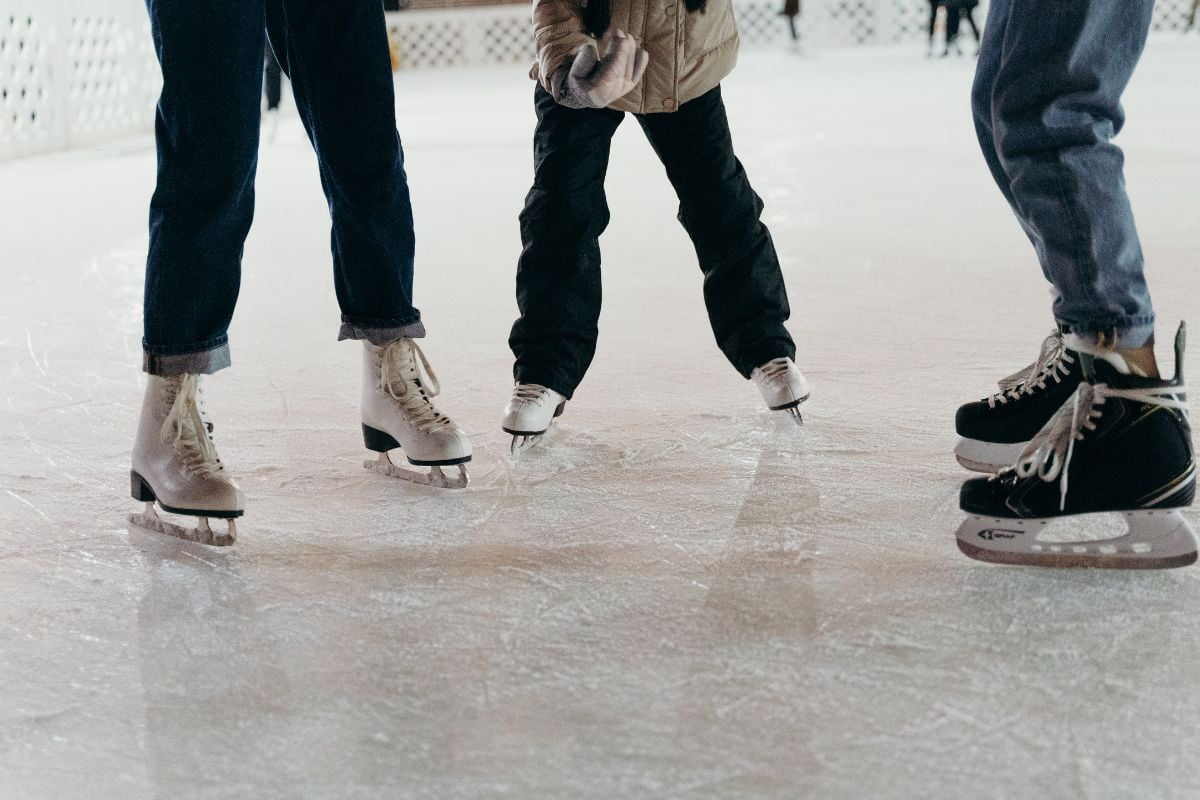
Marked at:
<point>1127,334</point>
<point>380,335</point>
<point>199,362</point>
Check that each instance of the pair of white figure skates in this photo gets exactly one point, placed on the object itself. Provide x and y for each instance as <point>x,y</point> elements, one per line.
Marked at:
<point>176,466</point>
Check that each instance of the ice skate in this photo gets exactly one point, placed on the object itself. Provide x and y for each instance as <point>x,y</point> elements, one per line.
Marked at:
<point>529,413</point>
<point>1124,443</point>
<point>782,385</point>
<point>398,412</point>
<point>994,431</point>
<point>175,464</point>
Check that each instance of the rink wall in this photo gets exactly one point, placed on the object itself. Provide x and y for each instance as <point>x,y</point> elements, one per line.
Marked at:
<point>73,76</point>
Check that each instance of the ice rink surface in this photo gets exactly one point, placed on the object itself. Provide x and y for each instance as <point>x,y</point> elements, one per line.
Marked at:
<point>679,596</point>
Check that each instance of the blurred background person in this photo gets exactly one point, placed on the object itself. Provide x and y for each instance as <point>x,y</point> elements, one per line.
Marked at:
<point>956,10</point>
<point>791,10</point>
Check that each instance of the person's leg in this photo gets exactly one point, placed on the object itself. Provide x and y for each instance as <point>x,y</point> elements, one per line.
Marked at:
<point>336,56</point>
<point>558,274</point>
<point>207,133</point>
<point>953,17</point>
<point>933,11</point>
<point>274,88</point>
<point>969,13</point>
<point>991,51</point>
<point>743,284</point>
<point>1055,106</point>
<point>1192,14</point>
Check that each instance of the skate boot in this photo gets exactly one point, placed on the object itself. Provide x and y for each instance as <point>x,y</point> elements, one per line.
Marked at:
<point>782,385</point>
<point>995,430</point>
<point>175,464</point>
<point>398,412</point>
<point>529,413</point>
<point>1125,444</point>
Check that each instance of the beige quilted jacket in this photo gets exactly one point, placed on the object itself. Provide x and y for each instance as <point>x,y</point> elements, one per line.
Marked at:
<point>690,53</point>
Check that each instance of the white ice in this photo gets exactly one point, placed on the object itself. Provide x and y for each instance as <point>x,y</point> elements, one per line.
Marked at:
<point>677,597</point>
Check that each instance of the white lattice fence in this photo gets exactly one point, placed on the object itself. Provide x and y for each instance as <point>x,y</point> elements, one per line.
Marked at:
<point>70,76</point>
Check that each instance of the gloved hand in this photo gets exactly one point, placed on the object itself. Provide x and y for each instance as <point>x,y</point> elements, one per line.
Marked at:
<point>594,83</point>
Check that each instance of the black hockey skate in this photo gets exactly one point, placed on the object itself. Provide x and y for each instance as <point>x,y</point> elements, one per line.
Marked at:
<point>1125,444</point>
<point>996,430</point>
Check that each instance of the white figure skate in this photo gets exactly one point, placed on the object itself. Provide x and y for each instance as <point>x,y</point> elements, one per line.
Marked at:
<point>529,413</point>
<point>175,464</point>
<point>782,385</point>
<point>398,412</point>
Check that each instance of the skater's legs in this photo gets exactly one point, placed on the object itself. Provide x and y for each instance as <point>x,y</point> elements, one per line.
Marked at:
<point>1055,106</point>
<point>558,275</point>
<point>206,129</point>
<point>743,284</point>
<point>336,55</point>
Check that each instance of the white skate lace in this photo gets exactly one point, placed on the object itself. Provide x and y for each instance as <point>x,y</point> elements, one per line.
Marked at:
<point>530,392</point>
<point>1052,363</point>
<point>776,369</point>
<point>186,428</point>
<point>407,377</point>
<point>1048,454</point>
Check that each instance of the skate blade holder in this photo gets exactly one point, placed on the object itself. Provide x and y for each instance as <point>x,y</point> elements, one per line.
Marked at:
<point>1158,539</point>
<point>201,534</point>
<point>792,410</point>
<point>435,477</point>
<point>524,442</point>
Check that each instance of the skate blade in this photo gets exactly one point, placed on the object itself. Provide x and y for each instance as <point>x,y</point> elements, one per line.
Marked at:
<point>792,410</point>
<point>522,443</point>
<point>1160,539</point>
<point>435,477</point>
<point>201,534</point>
<point>987,457</point>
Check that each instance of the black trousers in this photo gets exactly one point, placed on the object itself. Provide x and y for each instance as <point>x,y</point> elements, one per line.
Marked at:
<point>558,275</point>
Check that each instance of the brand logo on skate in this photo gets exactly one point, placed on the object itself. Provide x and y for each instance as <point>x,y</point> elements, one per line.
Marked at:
<point>998,533</point>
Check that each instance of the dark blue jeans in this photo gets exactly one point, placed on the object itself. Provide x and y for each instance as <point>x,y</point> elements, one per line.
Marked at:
<point>558,275</point>
<point>1047,103</point>
<point>207,128</point>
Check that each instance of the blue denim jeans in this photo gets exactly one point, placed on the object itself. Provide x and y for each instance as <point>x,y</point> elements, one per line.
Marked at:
<point>1047,103</point>
<point>207,128</point>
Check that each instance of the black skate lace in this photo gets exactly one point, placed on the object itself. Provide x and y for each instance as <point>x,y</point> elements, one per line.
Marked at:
<point>1048,455</point>
<point>188,430</point>
<point>1052,363</point>
<point>407,377</point>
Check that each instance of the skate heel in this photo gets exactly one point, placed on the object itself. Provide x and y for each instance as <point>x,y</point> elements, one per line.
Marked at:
<point>140,490</point>
<point>377,441</point>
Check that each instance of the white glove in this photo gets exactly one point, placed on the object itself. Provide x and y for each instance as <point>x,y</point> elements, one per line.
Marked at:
<point>593,83</point>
